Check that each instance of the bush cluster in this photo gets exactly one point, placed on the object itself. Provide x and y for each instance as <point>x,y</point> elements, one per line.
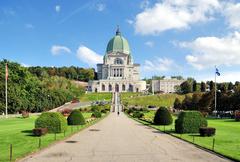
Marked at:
<point>138,114</point>
<point>53,121</point>
<point>129,111</point>
<point>207,131</point>
<point>76,118</point>
<point>163,117</point>
<point>96,114</point>
<point>190,122</point>
<point>39,131</point>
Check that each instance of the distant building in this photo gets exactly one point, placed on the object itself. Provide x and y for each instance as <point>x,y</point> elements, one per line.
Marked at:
<point>118,73</point>
<point>165,85</point>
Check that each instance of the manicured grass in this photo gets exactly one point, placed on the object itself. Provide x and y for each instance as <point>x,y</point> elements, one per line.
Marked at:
<point>95,97</point>
<point>156,100</point>
<point>227,138</point>
<point>17,131</point>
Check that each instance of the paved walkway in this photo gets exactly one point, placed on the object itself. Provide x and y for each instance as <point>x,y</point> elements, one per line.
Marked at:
<point>120,139</point>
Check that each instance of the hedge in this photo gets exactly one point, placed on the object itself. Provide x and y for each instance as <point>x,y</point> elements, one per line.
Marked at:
<point>76,118</point>
<point>163,117</point>
<point>96,114</point>
<point>138,114</point>
<point>53,121</point>
<point>207,131</point>
<point>190,122</point>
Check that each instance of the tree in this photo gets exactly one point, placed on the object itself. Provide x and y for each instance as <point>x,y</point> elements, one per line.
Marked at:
<point>230,86</point>
<point>203,87</point>
<point>187,103</point>
<point>177,104</point>
<point>211,85</point>
<point>194,84</point>
<point>178,77</point>
<point>186,87</point>
<point>206,102</point>
<point>158,77</point>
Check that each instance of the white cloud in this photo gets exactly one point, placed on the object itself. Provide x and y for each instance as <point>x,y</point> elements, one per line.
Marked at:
<point>159,64</point>
<point>231,12</point>
<point>129,21</point>
<point>210,51</point>
<point>57,49</point>
<point>29,26</point>
<point>88,56</point>
<point>57,8</point>
<point>174,14</point>
<point>101,7</point>
<point>149,43</point>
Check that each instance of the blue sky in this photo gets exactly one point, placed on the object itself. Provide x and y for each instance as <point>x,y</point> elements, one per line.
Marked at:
<point>168,37</point>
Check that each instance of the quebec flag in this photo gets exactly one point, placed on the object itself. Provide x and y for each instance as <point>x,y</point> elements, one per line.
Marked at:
<point>217,72</point>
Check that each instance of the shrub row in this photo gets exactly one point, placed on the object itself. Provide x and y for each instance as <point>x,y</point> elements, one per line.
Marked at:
<point>189,122</point>
<point>207,131</point>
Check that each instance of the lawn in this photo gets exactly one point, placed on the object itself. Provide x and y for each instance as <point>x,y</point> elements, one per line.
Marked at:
<point>156,100</point>
<point>227,141</point>
<point>17,131</point>
<point>96,97</point>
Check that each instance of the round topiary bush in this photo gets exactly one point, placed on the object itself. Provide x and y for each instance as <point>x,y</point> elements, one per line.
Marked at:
<point>76,118</point>
<point>138,114</point>
<point>53,121</point>
<point>190,122</point>
<point>163,117</point>
<point>97,114</point>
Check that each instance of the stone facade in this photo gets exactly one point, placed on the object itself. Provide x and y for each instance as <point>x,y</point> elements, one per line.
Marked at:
<point>117,72</point>
<point>165,85</point>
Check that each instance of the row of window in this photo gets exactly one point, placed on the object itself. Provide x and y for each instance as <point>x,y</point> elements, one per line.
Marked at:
<point>110,88</point>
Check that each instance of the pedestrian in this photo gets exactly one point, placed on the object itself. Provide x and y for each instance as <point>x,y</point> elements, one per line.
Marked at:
<point>118,113</point>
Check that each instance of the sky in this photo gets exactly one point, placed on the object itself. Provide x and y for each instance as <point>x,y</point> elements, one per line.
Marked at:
<point>167,37</point>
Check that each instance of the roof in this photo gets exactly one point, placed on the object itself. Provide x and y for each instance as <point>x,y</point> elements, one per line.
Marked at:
<point>118,44</point>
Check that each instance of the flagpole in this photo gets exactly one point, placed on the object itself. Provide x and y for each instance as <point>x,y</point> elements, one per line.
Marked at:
<point>215,108</point>
<point>6,111</point>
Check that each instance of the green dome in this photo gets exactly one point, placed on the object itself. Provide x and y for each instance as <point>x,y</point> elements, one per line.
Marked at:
<point>118,44</point>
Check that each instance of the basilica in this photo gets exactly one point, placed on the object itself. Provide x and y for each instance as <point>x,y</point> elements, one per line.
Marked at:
<point>118,72</point>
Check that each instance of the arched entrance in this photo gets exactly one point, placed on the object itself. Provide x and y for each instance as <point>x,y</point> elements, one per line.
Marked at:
<point>116,88</point>
<point>130,88</point>
<point>109,87</point>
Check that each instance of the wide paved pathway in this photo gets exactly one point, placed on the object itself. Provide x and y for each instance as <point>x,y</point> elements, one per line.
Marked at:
<point>120,139</point>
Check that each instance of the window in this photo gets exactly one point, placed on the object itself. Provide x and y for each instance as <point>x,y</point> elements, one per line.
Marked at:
<point>118,61</point>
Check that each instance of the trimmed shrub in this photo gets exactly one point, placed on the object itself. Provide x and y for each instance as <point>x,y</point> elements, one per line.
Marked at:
<point>76,118</point>
<point>95,108</point>
<point>237,115</point>
<point>189,122</point>
<point>138,114</point>
<point>25,114</point>
<point>163,117</point>
<point>53,121</point>
<point>39,131</point>
<point>104,111</point>
<point>96,114</point>
<point>207,131</point>
<point>129,111</point>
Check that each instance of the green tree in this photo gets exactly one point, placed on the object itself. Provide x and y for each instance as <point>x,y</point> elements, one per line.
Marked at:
<point>203,87</point>
<point>186,87</point>
<point>194,84</point>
